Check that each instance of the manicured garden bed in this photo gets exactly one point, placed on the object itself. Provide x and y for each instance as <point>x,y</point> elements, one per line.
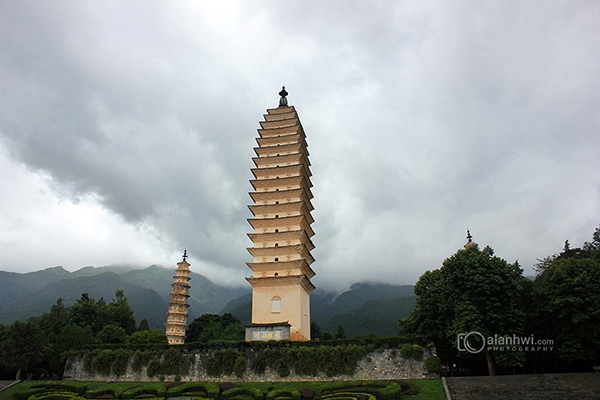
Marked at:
<point>357,390</point>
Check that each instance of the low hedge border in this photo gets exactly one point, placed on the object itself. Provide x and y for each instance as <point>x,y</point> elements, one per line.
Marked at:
<point>256,394</point>
<point>284,394</point>
<point>211,389</point>
<point>351,395</point>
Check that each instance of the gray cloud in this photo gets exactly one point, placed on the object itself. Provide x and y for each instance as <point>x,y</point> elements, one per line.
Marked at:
<point>422,120</point>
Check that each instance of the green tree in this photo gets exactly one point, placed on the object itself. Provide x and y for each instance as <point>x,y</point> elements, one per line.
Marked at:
<point>73,337</point>
<point>112,334</point>
<point>340,333</point>
<point>473,291</point>
<point>120,312</point>
<point>147,337</point>
<point>215,327</point>
<point>89,312</point>
<point>144,326</point>
<point>23,346</point>
<point>315,330</point>
<point>567,298</point>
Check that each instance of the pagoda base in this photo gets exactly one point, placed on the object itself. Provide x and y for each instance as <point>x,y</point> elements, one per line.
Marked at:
<point>265,332</point>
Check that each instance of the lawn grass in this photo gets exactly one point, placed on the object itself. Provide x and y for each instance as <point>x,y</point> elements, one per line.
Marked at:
<point>429,389</point>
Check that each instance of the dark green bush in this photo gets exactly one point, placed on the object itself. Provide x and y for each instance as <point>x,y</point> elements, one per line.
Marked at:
<point>55,396</point>
<point>101,394</point>
<point>76,387</point>
<point>255,394</point>
<point>223,362</point>
<point>240,366</point>
<point>433,364</point>
<point>140,359</point>
<point>411,352</point>
<point>119,366</point>
<point>416,352</point>
<point>25,394</point>
<point>103,362</point>
<point>211,389</point>
<point>284,394</point>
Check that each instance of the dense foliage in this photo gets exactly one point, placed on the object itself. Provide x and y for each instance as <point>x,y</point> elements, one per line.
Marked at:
<point>215,327</point>
<point>475,291</point>
<point>40,341</point>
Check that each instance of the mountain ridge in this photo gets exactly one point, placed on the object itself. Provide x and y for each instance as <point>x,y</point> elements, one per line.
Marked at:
<point>364,308</point>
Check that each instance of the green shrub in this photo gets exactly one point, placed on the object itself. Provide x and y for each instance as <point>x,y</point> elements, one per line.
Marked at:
<point>25,394</point>
<point>411,351</point>
<point>103,362</point>
<point>140,359</point>
<point>140,392</point>
<point>350,395</point>
<point>240,366</point>
<point>101,394</point>
<point>119,366</point>
<point>189,389</point>
<point>255,394</point>
<point>284,394</point>
<point>406,351</point>
<point>433,364</point>
<point>416,352</point>
<point>223,362</point>
<point>55,396</point>
<point>88,361</point>
<point>76,387</point>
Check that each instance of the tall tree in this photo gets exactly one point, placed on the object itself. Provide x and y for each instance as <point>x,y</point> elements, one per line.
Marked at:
<point>567,302</point>
<point>121,313</point>
<point>23,346</point>
<point>89,312</point>
<point>473,291</point>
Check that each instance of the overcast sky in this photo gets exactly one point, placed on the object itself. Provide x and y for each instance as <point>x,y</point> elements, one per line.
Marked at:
<point>127,128</point>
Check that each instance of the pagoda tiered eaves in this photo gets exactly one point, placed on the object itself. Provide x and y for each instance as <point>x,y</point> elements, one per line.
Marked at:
<point>177,314</point>
<point>282,224</point>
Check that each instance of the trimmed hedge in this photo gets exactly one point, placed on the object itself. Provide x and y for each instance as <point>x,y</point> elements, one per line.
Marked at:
<point>56,396</point>
<point>255,394</point>
<point>284,394</point>
<point>383,390</point>
<point>211,389</point>
<point>350,395</point>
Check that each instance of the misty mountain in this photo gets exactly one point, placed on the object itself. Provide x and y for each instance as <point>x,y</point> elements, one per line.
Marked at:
<point>148,291</point>
<point>363,309</point>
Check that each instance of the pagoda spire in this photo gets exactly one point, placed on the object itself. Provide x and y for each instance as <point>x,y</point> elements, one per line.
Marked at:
<point>283,99</point>
<point>177,314</point>
<point>470,243</point>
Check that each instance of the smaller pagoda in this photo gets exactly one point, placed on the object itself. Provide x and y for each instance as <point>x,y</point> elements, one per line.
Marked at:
<point>177,314</point>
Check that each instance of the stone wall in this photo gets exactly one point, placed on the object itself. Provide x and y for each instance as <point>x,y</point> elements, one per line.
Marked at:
<point>377,365</point>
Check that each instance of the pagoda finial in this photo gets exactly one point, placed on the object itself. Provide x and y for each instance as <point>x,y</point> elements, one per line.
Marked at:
<point>283,100</point>
<point>185,255</point>
<point>469,237</point>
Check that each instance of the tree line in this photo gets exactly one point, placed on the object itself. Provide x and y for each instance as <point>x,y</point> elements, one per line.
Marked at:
<point>39,342</point>
<point>483,315</point>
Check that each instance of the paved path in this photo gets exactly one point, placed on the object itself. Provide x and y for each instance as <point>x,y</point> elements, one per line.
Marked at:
<point>526,387</point>
<point>5,384</point>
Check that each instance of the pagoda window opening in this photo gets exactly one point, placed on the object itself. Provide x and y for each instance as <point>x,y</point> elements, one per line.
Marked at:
<point>276,260</point>
<point>276,230</point>
<point>276,244</point>
<point>276,304</point>
<point>276,215</point>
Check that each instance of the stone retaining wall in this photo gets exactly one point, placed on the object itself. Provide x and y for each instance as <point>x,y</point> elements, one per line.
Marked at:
<point>377,365</point>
